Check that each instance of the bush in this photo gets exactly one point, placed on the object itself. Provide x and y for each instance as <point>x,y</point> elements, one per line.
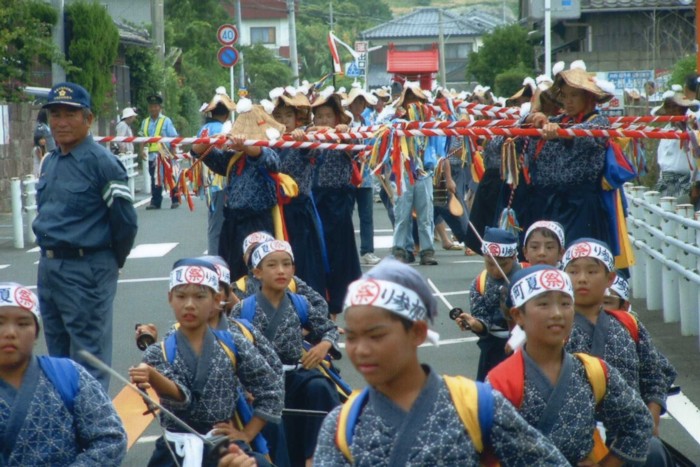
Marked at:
<point>508,82</point>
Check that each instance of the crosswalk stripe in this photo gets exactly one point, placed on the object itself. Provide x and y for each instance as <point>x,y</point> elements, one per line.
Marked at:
<point>151,250</point>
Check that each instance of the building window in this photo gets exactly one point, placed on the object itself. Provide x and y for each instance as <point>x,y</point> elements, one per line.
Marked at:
<point>265,35</point>
<point>457,51</point>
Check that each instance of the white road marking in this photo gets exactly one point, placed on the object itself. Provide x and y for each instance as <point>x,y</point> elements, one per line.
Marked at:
<point>357,231</point>
<point>142,202</point>
<point>442,342</point>
<point>383,241</point>
<point>34,250</point>
<point>3,266</point>
<point>151,250</point>
<point>147,439</point>
<point>686,413</point>
<point>469,261</point>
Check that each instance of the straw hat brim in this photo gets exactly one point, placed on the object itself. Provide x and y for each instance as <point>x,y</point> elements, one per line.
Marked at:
<point>254,124</point>
<point>220,99</point>
<point>680,102</point>
<point>335,101</point>
<point>418,92</point>
<point>579,79</point>
<point>300,103</point>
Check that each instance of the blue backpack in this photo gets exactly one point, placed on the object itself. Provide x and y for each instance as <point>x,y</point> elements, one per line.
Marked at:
<point>64,376</point>
<point>248,308</point>
<point>244,412</point>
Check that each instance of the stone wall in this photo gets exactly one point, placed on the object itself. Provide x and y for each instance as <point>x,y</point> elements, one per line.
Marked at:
<point>16,155</point>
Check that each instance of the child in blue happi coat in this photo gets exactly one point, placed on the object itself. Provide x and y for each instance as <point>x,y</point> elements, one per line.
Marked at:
<point>198,371</point>
<point>52,411</point>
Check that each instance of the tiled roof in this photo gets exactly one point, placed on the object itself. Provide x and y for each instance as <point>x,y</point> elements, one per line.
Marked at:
<point>592,5</point>
<point>412,62</point>
<point>131,35</point>
<point>424,22</point>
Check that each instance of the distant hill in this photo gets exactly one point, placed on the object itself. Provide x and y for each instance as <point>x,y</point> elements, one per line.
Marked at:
<point>400,7</point>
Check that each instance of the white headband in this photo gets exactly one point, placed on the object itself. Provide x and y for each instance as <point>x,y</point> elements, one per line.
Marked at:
<point>199,275</point>
<point>585,249</point>
<point>390,296</point>
<point>268,247</point>
<point>19,296</point>
<point>224,273</point>
<point>538,283</point>
<point>553,227</point>
<point>621,287</point>
<point>499,250</point>
<point>256,237</point>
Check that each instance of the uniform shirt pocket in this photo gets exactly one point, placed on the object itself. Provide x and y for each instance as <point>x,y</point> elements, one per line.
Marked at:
<point>79,197</point>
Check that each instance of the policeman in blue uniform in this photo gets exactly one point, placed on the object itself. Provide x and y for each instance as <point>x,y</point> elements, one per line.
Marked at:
<point>157,124</point>
<point>85,226</point>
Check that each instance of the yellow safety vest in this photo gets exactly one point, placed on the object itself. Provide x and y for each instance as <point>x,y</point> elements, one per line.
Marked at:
<point>153,147</point>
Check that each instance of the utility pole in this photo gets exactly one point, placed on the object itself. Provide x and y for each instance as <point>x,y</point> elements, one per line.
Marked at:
<point>548,37</point>
<point>241,63</point>
<point>330,7</point>
<point>157,18</point>
<point>441,51</point>
<point>293,41</point>
<point>58,74</point>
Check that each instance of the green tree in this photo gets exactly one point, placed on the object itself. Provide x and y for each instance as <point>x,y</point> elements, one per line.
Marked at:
<point>264,71</point>
<point>503,49</point>
<point>349,20</point>
<point>683,68</point>
<point>92,48</point>
<point>25,38</point>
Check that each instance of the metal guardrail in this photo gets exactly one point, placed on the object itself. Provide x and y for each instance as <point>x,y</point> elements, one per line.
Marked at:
<point>24,207</point>
<point>665,236</point>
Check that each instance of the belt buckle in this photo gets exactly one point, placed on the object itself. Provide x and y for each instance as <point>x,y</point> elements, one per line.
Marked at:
<point>81,252</point>
<point>49,254</point>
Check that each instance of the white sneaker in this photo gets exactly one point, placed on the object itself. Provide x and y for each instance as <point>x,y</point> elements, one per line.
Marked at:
<point>370,259</point>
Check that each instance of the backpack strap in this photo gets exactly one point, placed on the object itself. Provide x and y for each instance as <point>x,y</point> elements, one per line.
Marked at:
<point>508,377</point>
<point>474,404</point>
<point>246,328</point>
<point>597,373</point>
<point>248,308</point>
<point>64,376</point>
<point>347,419</point>
<point>225,340</point>
<point>301,306</point>
<point>627,320</point>
<point>241,283</point>
<point>169,348</point>
<point>481,282</point>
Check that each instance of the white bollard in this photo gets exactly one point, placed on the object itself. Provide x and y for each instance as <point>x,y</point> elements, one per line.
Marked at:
<point>17,223</point>
<point>29,195</point>
<point>697,242</point>
<point>669,278</point>
<point>688,291</point>
<point>146,177</point>
<point>639,269</point>
<point>653,268</point>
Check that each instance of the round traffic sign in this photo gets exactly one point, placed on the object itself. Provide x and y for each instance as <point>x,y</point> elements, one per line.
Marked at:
<point>227,56</point>
<point>227,34</point>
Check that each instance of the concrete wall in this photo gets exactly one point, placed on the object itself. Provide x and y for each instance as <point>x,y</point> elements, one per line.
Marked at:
<point>16,155</point>
<point>619,60</point>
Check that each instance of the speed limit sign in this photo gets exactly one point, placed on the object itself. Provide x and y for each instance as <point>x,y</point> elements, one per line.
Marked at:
<point>227,34</point>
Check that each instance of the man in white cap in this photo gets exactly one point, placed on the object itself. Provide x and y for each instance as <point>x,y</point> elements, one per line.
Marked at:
<point>124,129</point>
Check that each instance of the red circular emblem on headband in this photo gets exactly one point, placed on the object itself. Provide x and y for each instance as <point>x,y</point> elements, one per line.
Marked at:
<point>494,249</point>
<point>194,275</point>
<point>581,250</point>
<point>552,280</point>
<point>25,299</point>
<point>366,293</point>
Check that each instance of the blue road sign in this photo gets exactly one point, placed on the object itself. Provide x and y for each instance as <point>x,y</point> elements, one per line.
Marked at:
<point>354,71</point>
<point>227,56</point>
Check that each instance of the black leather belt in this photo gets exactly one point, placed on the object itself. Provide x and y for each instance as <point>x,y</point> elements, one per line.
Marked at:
<point>68,253</point>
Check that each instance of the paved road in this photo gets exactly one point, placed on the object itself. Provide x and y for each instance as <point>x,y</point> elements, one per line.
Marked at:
<point>165,236</point>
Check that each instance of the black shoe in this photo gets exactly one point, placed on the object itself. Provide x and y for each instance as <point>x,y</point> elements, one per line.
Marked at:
<point>151,207</point>
<point>174,205</point>
<point>410,257</point>
<point>399,254</point>
<point>427,258</point>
